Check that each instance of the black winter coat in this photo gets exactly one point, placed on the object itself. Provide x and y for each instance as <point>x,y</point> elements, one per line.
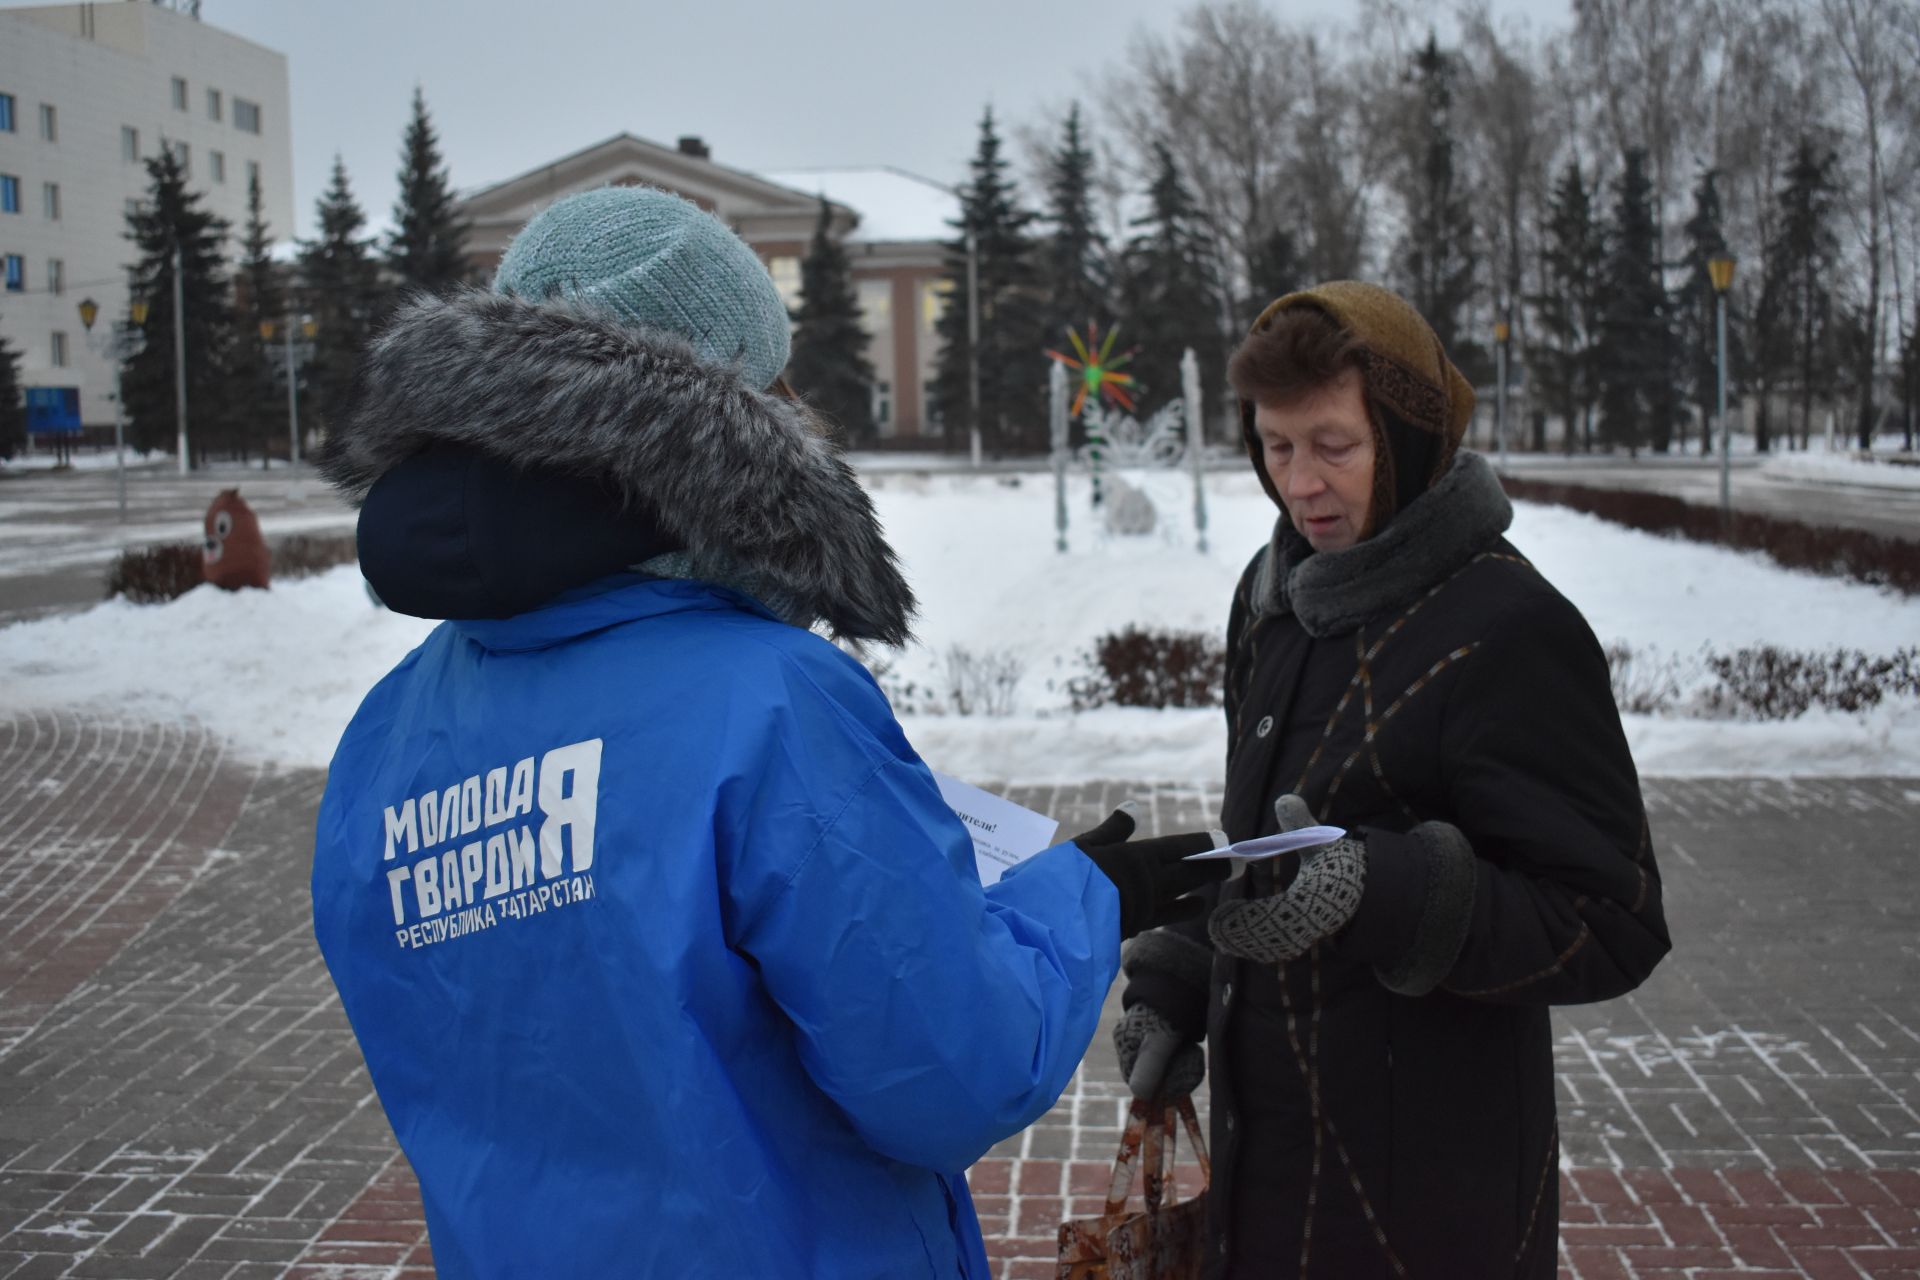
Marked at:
<point>1384,1105</point>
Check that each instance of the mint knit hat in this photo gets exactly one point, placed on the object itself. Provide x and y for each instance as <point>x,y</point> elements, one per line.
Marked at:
<point>650,258</point>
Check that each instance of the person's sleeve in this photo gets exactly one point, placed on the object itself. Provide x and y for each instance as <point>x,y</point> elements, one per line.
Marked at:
<point>940,1017</point>
<point>1544,889</point>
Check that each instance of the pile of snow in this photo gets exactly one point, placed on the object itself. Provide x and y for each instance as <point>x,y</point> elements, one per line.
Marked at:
<point>280,672</point>
<point>276,672</point>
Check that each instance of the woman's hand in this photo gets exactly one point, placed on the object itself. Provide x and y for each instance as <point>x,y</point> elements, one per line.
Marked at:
<point>1317,905</point>
<point>1152,875</point>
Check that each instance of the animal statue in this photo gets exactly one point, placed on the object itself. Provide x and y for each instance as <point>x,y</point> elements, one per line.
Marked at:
<point>234,554</point>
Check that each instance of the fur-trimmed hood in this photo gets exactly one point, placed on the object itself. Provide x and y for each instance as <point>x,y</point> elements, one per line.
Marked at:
<point>745,481</point>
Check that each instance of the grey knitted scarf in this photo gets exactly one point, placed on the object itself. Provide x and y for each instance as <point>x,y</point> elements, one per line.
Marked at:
<point>1333,592</point>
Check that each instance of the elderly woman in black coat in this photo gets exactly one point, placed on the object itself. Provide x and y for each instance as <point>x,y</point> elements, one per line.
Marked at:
<point>1377,1009</point>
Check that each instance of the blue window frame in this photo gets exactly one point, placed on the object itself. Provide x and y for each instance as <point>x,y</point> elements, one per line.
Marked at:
<point>16,273</point>
<point>9,193</point>
<point>6,113</point>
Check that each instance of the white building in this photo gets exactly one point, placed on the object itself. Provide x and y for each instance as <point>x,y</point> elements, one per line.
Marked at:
<point>86,92</point>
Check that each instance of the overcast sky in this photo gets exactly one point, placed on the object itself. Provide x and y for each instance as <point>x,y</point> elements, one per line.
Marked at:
<point>770,84</point>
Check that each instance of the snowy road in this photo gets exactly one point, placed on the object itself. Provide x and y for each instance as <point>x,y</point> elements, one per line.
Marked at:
<point>1887,503</point>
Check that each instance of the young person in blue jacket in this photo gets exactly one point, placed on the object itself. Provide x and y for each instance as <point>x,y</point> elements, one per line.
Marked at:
<point>664,953</point>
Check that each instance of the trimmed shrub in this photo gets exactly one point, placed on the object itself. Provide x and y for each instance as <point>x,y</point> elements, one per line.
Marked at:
<point>1766,683</point>
<point>154,575</point>
<point>1140,668</point>
<point>301,555</point>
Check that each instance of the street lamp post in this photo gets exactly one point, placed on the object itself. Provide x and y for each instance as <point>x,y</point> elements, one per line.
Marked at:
<point>1720,268</point>
<point>973,340</point>
<point>307,328</point>
<point>180,358</point>
<point>1501,331</point>
<point>123,344</point>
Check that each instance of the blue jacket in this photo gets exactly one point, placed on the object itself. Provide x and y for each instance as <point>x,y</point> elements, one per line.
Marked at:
<point>667,958</point>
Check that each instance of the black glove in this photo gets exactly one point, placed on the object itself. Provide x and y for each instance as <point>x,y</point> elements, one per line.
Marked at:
<point>1149,874</point>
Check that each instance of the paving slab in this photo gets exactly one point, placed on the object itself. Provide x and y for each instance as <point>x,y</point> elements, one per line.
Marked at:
<point>180,1095</point>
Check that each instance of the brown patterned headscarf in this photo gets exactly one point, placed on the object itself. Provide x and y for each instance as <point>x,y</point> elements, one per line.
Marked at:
<point>1422,403</point>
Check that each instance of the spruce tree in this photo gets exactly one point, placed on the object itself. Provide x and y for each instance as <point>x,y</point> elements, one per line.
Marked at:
<point>830,366</point>
<point>257,300</point>
<point>13,410</point>
<point>1439,253</point>
<point>340,285</point>
<point>1568,309</point>
<point>1695,310</point>
<point>1274,269</point>
<point>1078,286</point>
<point>1636,372</point>
<point>1804,261</point>
<point>1170,290</point>
<point>172,217</point>
<point>1012,380</point>
<point>428,249</point>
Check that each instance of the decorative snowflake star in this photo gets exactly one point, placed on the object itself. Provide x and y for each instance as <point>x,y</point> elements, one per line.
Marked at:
<point>1099,373</point>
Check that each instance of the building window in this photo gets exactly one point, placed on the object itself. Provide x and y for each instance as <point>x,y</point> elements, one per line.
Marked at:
<point>57,350</point>
<point>246,115</point>
<point>883,407</point>
<point>56,276</point>
<point>933,303</point>
<point>253,174</point>
<point>217,165</point>
<point>213,104</point>
<point>184,155</point>
<point>16,273</point>
<point>49,123</point>
<point>876,306</point>
<point>6,113</point>
<point>129,144</point>
<point>50,200</point>
<point>9,193</point>
<point>786,278</point>
<point>133,208</point>
<point>179,94</point>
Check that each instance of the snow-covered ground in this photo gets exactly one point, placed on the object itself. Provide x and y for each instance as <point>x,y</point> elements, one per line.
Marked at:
<point>279,672</point>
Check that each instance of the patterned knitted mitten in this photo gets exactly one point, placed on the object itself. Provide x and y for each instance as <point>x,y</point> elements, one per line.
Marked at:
<point>1317,905</point>
<point>1183,1071</point>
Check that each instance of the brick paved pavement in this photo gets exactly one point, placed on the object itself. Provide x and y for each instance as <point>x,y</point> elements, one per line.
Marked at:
<point>180,1097</point>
